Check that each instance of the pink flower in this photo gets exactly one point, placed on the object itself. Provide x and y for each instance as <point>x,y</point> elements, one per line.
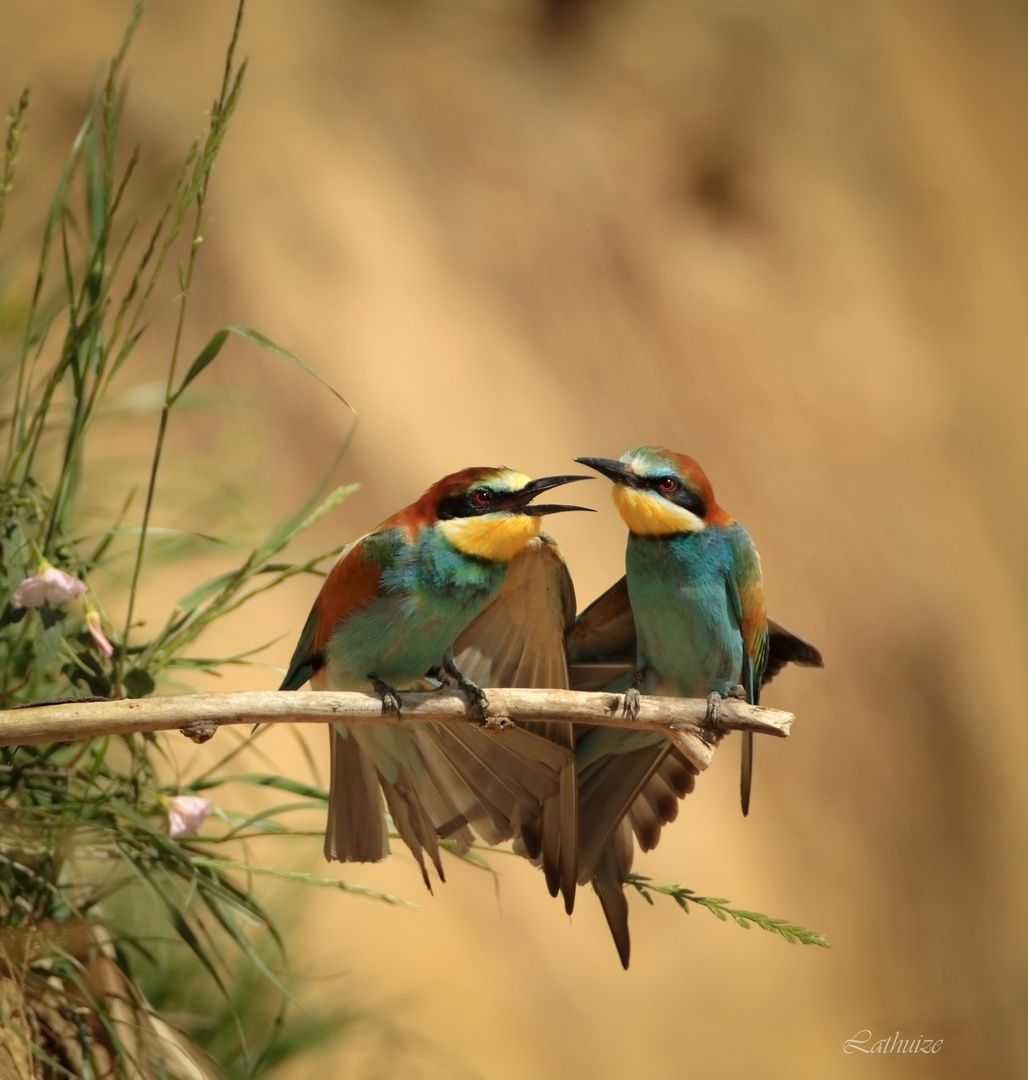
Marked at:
<point>96,632</point>
<point>47,586</point>
<point>186,813</point>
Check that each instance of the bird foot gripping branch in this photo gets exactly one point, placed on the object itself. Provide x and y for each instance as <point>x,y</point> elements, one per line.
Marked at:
<point>713,718</point>
<point>630,703</point>
<point>390,697</point>
<point>713,723</point>
<point>476,695</point>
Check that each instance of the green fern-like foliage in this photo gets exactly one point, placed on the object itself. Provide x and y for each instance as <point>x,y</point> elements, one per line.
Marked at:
<point>683,897</point>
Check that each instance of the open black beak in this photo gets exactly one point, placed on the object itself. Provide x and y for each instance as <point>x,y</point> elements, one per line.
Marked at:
<point>520,499</point>
<point>617,471</point>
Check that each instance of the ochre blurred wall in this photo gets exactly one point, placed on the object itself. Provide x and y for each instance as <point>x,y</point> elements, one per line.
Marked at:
<point>790,239</point>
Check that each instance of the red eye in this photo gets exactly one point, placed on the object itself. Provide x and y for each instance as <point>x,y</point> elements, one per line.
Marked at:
<point>668,485</point>
<point>481,497</point>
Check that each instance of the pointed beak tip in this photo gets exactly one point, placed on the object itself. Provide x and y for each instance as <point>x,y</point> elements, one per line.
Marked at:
<point>616,471</point>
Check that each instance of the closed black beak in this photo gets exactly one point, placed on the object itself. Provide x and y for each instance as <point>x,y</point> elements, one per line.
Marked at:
<point>617,471</point>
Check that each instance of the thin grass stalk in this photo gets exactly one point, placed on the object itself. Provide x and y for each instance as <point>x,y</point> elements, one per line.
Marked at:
<point>220,114</point>
<point>57,213</point>
<point>17,125</point>
<point>19,439</point>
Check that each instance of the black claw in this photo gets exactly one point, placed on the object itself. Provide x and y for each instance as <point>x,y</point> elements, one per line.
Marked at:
<point>631,705</point>
<point>630,709</point>
<point>390,698</point>
<point>476,695</point>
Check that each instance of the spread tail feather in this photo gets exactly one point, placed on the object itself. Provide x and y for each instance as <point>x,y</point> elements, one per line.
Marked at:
<point>441,781</point>
<point>549,840</point>
<point>414,826</point>
<point>552,838</point>
<point>746,779</point>
<point>511,774</point>
<point>648,783</point>
<point>607,790</point>
<point>356,829</point>
<point>608,881</point>
<point>568,830</point>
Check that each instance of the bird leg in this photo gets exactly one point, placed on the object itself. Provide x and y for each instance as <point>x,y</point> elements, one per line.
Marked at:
<point>475,693</point>
<point>630,708</point>
<point>713,718</point>
<point>390,698</point>
<point>712,721</point>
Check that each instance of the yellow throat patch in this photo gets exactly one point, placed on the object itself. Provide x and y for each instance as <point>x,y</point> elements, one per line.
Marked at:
<point>497,537</point>
<point>647,514</point>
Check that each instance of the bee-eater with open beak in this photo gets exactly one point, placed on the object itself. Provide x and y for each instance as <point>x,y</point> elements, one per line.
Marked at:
<point>692,604</point>
<point>387,616</point>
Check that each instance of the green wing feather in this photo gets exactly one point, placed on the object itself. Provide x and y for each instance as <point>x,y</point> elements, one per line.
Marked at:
<point>306,659</point>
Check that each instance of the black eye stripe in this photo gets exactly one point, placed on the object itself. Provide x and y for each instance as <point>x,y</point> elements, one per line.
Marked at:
<point>684,496</point>
<point>464,505</point>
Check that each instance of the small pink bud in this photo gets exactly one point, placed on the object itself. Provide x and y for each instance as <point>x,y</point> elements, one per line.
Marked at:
<point>48,585</point>
<point>186,813</point>
<point>96,632</point>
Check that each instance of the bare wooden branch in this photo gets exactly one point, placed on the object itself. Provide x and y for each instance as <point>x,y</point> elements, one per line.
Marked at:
<point>682,719</point>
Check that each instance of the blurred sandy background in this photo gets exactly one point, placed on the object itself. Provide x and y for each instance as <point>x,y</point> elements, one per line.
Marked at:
<point>790,239</point>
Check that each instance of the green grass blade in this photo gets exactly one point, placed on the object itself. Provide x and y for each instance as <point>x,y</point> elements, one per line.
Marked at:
<point>265,342</point>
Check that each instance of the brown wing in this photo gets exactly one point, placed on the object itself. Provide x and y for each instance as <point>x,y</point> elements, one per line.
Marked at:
<point>353,582</point>
<point>601,646</point>
<point>785,647</point>
<point>519,641</point>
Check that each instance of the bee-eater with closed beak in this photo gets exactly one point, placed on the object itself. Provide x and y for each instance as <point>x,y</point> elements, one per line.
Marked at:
<point>387,616</point>
<point>529,637</point>
<point>696,611</point>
